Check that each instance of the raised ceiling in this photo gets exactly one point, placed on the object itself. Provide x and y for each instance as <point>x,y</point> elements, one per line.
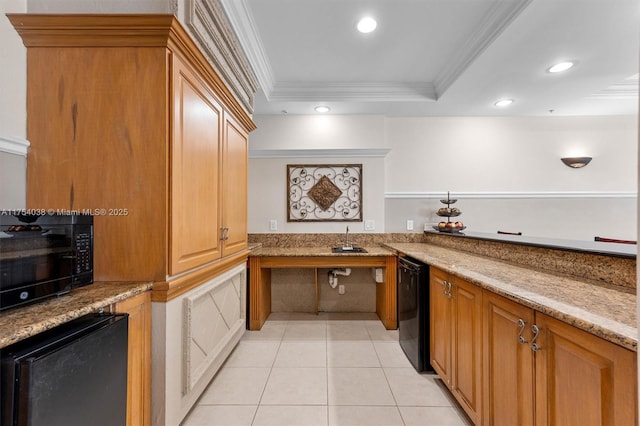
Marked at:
<point>441,57</point>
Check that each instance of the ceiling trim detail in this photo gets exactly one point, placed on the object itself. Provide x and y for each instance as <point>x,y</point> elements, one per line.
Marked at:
<point>247,32</point>
<point>209,25</point>
<point>626,90</point>
<point>14,145</point>
<point>494,22</point>
<point>502,195</point>
<point>356,92</point>
<point>317,153</point>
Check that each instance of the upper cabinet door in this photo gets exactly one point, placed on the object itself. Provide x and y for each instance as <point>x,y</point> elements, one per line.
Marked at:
<point>234,186</point>
<point>195,212</point>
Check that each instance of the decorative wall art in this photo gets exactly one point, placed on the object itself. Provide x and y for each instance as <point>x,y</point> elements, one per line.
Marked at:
<point>324,192</point>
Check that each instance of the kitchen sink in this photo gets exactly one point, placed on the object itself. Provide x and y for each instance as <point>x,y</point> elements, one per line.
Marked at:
<point>348,250</point>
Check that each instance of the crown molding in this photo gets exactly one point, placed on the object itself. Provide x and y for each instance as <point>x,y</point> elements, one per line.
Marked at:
<point>318,153</point>
<point>247,32</point>
<point>354,92</point>
<point>209,25</point>
<point>14,146</point>
<point>618,91</point>
<point>506,195</point>
<point>501,14</point>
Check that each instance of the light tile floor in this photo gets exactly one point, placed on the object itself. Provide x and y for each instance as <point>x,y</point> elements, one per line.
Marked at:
<point>326,369</point>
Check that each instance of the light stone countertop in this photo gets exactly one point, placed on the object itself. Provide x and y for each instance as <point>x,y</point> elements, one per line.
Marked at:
<point>604,310</point>
<point>318,251</point>
<point>22,322</point>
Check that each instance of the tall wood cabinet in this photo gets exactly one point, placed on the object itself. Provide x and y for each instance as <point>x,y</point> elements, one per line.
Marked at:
<point>129,121</point>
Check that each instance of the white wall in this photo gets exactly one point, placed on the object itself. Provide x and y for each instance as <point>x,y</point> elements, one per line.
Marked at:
<point>506,171</point>
<point>309,132</point>
<point>13,107</point>
<point>510,154</point>
<point>268,195</point>
<point>310,140</point>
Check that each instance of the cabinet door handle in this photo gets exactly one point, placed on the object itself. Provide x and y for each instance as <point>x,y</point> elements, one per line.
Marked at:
<point>448,290</point>
<point>536,331</point>
<point>225,233</point>
<point>444,287</point>
<point>521,324</point>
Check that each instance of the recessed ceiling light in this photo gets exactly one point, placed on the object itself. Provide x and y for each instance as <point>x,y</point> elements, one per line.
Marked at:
<point>503,103</point>
<point>559,67</point>
<point>366,25</point>
<point>322,108</point>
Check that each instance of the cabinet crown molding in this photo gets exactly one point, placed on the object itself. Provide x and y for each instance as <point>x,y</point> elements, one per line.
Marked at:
<point>125,30</point>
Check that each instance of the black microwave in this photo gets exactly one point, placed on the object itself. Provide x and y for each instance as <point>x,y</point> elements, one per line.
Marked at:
<point>43,255</point>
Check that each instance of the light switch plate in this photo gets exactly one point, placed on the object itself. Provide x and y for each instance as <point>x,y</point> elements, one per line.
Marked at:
<point>409,225</point>
<point>369,225</point>
<point>273,225</point>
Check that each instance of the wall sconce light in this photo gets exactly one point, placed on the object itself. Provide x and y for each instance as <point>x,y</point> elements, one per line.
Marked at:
<point>576,162</point>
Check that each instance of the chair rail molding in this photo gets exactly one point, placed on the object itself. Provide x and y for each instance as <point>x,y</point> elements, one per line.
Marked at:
<point>13,145</point>
<point>533,194</point>
<point>317,153</point>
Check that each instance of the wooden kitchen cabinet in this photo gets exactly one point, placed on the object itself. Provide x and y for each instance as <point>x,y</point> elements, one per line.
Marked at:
<point>571,378</point>
<point>195,171</point>
<point>508,374</point>
<point>139,358</point>
<point>441,325</point>
<point>235,154</point>
<point>456,333</point>
<point>128,120</point>
<point>582,379</point>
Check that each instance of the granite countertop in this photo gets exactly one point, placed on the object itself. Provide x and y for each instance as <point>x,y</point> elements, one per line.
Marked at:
<point>604,310</point>
<point>318,251</point>
<point>20,323</point>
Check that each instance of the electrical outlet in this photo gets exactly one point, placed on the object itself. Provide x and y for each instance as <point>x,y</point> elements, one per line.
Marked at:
<point>340,288</point>
<point>409,225</point>
<point>273,225</point>
<point>369,225</point>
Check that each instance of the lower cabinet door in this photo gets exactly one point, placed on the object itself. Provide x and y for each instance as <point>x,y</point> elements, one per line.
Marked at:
<point>467,347</point>
<point>508,374</point>
<point>582,379</point>
<point>440,325</point>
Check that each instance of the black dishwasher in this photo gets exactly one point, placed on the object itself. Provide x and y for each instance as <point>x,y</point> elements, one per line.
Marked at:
<point>413,311</point>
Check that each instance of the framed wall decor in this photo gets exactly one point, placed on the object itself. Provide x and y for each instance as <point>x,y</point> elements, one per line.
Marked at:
<point>324,192</point>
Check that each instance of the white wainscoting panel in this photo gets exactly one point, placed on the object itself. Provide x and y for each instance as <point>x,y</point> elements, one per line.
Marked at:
<point>212,316</point>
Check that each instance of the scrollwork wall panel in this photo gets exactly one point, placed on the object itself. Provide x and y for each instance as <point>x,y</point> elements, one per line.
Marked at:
<point>324,192</point>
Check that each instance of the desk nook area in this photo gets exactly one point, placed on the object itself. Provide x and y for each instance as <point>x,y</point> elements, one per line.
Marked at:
<point>265,259</point>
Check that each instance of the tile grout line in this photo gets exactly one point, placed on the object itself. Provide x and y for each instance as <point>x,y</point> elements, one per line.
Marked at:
<point>255,414</point>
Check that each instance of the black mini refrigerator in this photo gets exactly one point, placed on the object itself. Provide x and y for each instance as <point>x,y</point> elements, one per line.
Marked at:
<point>413,311</point>
<point>72,375</point>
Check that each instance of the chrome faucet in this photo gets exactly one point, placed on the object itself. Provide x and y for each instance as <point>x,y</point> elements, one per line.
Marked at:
<point>346,238</point>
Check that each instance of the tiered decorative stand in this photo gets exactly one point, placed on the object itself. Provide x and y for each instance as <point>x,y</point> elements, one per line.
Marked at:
<point>449,212</point>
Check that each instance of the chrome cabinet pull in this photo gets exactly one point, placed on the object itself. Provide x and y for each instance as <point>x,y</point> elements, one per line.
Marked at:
<point>536,331</point>
<point>225,233</point>
<point>446,288</point>
<point>521,324</point>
